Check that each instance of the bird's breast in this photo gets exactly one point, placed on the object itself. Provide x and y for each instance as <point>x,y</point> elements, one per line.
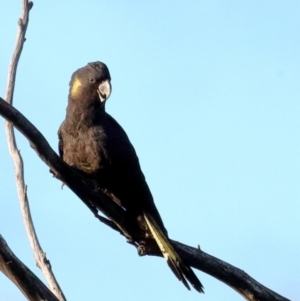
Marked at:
<point>86,149</point>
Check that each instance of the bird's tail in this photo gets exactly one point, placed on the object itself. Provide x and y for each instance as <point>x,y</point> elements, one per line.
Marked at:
<point>183,272</point>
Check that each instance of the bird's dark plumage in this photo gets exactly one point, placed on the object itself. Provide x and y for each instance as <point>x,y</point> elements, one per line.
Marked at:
<point>93,142</point>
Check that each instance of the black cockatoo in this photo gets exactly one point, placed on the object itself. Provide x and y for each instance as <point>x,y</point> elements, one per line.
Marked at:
<point>93,142</point>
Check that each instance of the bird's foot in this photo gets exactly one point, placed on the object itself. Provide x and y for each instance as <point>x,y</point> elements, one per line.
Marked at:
<point>141,250</point>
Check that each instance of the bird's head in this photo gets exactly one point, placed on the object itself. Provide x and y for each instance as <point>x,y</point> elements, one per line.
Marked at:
<point>91,81</point>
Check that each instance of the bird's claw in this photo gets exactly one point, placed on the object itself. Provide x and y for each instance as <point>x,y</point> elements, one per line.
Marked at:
<point>141,250</point>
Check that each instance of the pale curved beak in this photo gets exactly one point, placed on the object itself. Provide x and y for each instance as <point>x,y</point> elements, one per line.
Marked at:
<point>104,90</point>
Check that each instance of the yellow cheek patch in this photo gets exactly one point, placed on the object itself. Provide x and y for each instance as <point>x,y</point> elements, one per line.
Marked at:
<point>75,87</point>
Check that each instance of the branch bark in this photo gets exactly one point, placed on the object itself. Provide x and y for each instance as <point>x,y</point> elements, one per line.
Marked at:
<point>230,275</point>
<point>234,277</point>
<point>29,284</point>
<point>40,256</point>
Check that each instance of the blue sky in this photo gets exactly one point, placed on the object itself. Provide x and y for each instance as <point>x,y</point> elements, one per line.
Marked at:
<point>208,93</point>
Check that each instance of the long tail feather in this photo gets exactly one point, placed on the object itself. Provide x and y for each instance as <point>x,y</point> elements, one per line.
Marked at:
<point>183,272</point>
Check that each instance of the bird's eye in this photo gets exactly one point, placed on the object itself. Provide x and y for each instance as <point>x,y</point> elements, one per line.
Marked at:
<point>92,80</point>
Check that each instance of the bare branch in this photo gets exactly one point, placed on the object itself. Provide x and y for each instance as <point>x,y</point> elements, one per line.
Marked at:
<point>236,278</point>
<point>232,276</point>
<point>22,27</point>
<point>40,256</point>
<point>28,283</point>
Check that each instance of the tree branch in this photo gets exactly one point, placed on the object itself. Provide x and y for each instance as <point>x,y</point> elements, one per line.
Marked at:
<point>22,27</point>
<point>236,278</point>
<point>40,256</point>
<point>28,283</point>
<point>232,276</point>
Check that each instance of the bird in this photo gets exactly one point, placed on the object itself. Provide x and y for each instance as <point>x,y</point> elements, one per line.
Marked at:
<point>95,144</point>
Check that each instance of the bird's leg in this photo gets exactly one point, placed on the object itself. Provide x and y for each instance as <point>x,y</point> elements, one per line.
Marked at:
<point>141,250</point>
<point>148,246</point>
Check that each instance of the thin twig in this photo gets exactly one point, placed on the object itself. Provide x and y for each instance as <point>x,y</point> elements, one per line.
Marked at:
<point>28,283</point>
<point>39,255</point>
<point>232,276</point>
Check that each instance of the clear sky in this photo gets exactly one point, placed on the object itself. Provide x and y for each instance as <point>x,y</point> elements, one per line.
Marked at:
<point>208,92</point>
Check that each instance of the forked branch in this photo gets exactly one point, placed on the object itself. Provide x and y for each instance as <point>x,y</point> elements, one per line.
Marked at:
<point>117,219</point>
